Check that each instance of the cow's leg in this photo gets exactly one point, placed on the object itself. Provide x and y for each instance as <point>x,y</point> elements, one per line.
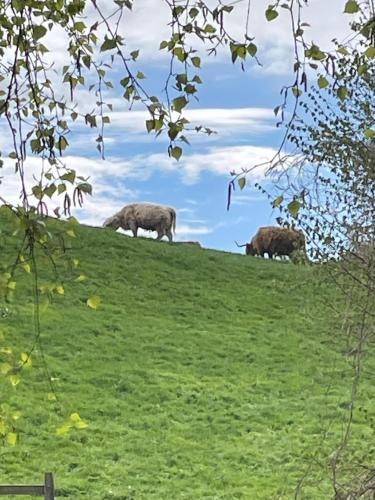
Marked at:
<point>134,229</point>
<point>169,235</point>
<point>160,235</point>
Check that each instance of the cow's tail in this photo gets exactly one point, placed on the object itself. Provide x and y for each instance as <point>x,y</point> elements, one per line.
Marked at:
<point>173,221</point>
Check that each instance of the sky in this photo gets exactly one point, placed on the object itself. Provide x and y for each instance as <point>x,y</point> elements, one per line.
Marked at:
<point>237,104</point>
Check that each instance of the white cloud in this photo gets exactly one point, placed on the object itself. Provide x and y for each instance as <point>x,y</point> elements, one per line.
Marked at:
<point>147,25</point>
<point>129,127</point>
<point>245,199</point>
<point>222,160</point>
<point>125,125</point>
<point>107,178</point>
<point>185,230</point>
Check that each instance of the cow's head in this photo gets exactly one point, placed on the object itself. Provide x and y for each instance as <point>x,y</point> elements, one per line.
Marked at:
<point>250,250</point>
<point>114,222</point>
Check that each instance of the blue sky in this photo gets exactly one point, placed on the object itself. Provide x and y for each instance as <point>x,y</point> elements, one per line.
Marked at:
<point>238,105</point>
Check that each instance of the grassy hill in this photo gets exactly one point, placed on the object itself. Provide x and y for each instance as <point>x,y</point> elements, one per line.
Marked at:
<point>202,375</point>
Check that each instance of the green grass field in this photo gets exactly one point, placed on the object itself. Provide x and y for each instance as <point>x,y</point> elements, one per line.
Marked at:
<point>202,375</point>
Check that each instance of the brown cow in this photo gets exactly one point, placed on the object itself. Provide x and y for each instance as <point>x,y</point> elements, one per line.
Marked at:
<point>148,216</point>
<point>276,241</point>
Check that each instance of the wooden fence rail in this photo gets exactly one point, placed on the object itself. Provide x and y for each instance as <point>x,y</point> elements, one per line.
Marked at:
<point>46,490</point>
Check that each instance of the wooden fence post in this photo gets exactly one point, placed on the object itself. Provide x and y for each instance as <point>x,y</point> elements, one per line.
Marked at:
<point>49,489</point>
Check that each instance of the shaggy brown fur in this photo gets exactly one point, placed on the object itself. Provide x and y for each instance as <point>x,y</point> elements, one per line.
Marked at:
<point>274,240</point>
<point>148,216</point>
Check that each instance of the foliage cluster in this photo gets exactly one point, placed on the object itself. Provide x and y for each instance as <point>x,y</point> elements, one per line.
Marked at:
<point>330,182</point>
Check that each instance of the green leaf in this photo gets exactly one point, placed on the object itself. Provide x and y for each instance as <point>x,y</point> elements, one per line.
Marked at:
<point>79,26</point>
<point>293,207</point>
<point>252,49</point>
<point>93,302</point>
<point>85,187</point>
<point>18,5</point>
<point>150,125</point>
<point>26,360</point>
<point>26,267</point>
<point>72,220</point>
<point>271,13</point>
<point>77,422</point>
<point>209,29</point>
<point>36,146</point>
<point>5,368</point>
<point>176,152</point>
<point>11,438</point>
<point>140,75</point>
<point>69,176</point>
<point>369,133</point>
<point>370,52</point>
<point>81,277</point>
<point>86,61</point>
<point>193,12</point>
<point>322,82</point>
<point>362,69</point>
<point>180,53</point>
<point>296,91</point>
<point>63,429</point>
<point>124,82</point>
<point>63,143</point>
<point>242,182</point>
<point>6,350</point>
<point>39,32</point>
<point>190,89</point>
<point>134,54</point>
<point>196,61</point>
<point>179,103</point>
<point>182,78</point>
<point>342,92</point>
<point>351,7</point>
<point>108,44</point>
<point>14,380</point>
<point>37,192</point>
<point>278,201</point>
<point>227,8</point>
<point>343,50</point>
<point>315,53</point>
<point>238,50</point>
<point>50,190</point>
